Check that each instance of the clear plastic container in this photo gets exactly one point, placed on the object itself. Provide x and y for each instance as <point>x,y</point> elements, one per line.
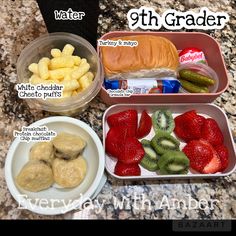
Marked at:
<point>203,70</point>
<point>41,47</point>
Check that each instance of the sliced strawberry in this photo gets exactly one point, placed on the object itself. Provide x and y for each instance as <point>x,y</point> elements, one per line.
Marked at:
<point>213,166</point>
<point>212,133</point>
<point>145,125</point>
<point>224,156</point>
<point>115,140</point>
<point>127,119</point>
<point>188,126</point>
<point>180,123</point>
<point>122,169</point>
<point>200,153</point>
<point>132,151</point>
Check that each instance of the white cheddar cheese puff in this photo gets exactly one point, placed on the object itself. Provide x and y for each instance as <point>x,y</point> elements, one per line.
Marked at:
<point>59,73</point>
<point>77,60</point>
<point>84,81</point>
<point>55,52</point>
<point>34,79</point>
<point>67,78</point>
<point>83,61</point>
<point>90,76</point>
<point>46,60</point>
<point>70,85</point>
<point>34,68</point>
<point>67,94</point>
<point>43,68</point>
<point>76,74</point>
<point>61,62</point>
<point>68,50</point>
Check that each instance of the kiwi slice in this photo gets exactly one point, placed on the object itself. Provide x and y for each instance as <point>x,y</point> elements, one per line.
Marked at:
<point>149,163</point>
<point>162,120</point>
<point>150,158</point>
<point>173,162</point>
<point>163,142</point>
<point>149,150</point>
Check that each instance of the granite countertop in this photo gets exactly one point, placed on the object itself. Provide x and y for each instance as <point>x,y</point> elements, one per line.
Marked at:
<point>20,23</point>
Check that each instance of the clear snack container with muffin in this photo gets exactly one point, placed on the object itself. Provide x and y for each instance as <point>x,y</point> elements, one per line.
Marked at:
<point>181,40</point>
<point>40,48</point>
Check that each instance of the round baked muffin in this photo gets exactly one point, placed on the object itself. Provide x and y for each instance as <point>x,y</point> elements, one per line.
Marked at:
<point>69,173</point>
<point>68,146</point>
<point>43,151</point>
<point>35,176</point>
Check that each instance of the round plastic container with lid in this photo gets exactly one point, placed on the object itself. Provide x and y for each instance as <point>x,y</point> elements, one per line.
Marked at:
<point>202,69</point>
<point>41,47</point>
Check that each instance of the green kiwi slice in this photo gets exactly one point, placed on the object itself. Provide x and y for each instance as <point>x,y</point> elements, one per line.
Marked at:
<point>162,120</point>
<point>149,150</point>
<point>149,164</point>
<point>173,162</point>
<point>163,142</point>
<point>150,158</point>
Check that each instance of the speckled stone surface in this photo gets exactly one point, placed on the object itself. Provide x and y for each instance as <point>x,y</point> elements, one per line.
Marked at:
<point>20,23</point>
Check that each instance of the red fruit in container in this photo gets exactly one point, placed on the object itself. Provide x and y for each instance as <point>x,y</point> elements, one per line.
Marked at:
<point>123,169</point>
<point>212,133</point>
<point>145,125</point>
<point>128,119</point>
<point>203,158</point>
<point>223,153</point>
<point>188,126</point>
<point>132,151</point>
<point>115,140</point>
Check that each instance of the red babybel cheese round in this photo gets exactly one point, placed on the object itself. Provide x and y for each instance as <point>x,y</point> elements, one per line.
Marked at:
<point>192,55</point>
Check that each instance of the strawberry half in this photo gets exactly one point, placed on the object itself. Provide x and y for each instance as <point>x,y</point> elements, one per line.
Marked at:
<point>115,140</point>
<point>128,119</point>
<point>132,151</point>
<point>202,156</point>
<point>213,166</point>
<point>145,125</point>
<point>188,126</point>
<point>122,169</point>
<point>212,133</point>
<point>223,153</point>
